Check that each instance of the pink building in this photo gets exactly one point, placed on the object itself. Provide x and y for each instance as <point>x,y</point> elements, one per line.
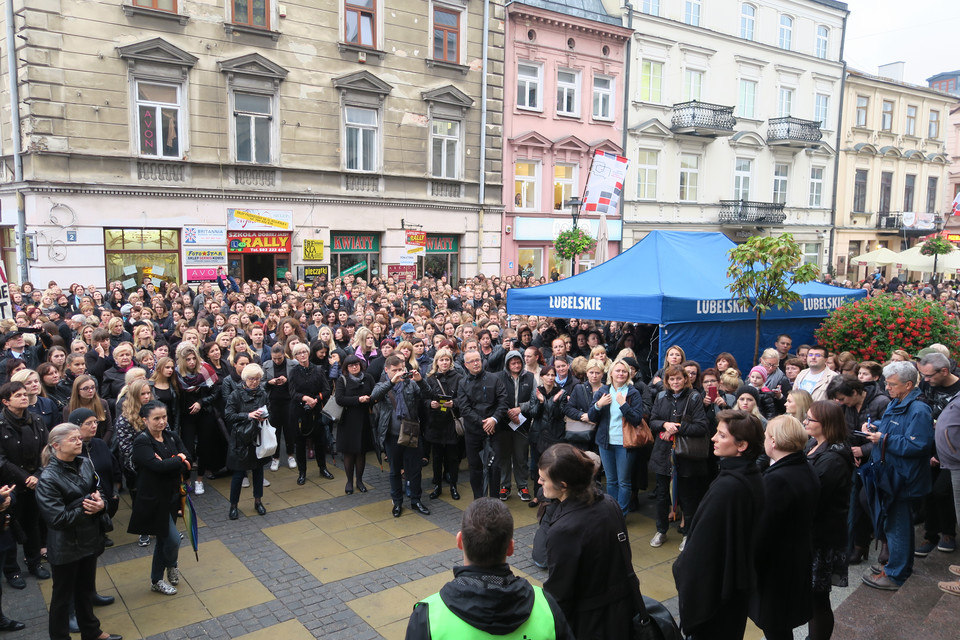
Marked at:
<point>563,101</point>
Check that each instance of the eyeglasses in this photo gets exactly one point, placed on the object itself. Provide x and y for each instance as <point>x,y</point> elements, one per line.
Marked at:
<point>88,388</point>
<point>815,355</point>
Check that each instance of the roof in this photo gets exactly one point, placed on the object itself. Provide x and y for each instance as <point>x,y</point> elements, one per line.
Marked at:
<point>944,74</point>
<point>586,9</point>
<point>832,3</point>
<point>901,83</point>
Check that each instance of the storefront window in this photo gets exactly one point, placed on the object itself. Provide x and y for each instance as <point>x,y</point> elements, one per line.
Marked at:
<point>439,265</point>
<point>356,254</point>
<point>132,254</point>
<point>530,263</point>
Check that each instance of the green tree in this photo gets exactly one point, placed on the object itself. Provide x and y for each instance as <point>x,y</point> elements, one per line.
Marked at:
<point>763,271</point>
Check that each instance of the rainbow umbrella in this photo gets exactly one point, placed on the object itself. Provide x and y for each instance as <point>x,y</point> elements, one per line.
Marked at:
<point>189,518</point>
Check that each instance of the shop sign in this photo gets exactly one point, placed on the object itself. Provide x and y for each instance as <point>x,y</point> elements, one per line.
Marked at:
<point>6,311</point>
<point>443,244</point>
<point>354,243</point>
<point>204,235</point>
<point>401,270</point>
<point>357,268</point>
<point>259,220</point>
<point>312,273</point>
<point>204,257</point>
<point>953,237</point>
<point>313,249</point>
<point>201,274</point>
<point>259,242</point>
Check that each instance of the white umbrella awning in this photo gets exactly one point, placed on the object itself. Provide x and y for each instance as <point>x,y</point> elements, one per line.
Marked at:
<point>881,257</point>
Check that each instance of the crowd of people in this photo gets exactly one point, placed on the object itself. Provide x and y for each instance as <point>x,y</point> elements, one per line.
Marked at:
<point>167,383</point>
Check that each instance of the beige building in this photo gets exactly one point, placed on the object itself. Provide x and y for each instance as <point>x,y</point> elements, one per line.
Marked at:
<point>892,166</point>
<point>168,137</point>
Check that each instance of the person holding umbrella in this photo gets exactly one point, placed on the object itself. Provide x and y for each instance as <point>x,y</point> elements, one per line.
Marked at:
<point>482,399</point>
<point>161,460</point>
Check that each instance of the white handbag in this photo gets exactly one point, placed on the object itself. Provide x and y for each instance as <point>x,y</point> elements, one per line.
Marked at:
<point>268,440</point>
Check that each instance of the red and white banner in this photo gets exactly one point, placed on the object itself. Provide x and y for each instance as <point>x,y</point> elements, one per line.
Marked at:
<point>605,184</point>
<point>956,205</point>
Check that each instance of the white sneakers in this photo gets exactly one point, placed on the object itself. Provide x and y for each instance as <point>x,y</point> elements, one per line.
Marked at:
<point>266,482</point>
<point>291,462</point>
<point>163,587</point>
<point>274,464</point>
<point>658,539</point>
<point>197,490</point>
<point>683,543</point>
<point>173,575</point>
<point>246,482</point>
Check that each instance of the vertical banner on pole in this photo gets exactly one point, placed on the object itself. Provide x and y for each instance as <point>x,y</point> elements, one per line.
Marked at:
<point>605,184</point>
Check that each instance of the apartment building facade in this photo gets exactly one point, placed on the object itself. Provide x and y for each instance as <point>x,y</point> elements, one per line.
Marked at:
<point>170,137</point>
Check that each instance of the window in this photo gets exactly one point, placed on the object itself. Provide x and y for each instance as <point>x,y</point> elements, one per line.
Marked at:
<point>911,124</point>
<point>158,119</point>
<point>821,109</point>
<point>253,116</point>
<point>823,40</point>
<point>651,81</point>
<point>931,195</point>
<point>603,97</point>
<point>362,131</point>
<point>860,191</point>
<point>692,85</point>
<point>862,103</point>
<point>691,12</point>
<point>689,177</point>
<point>816,187</point>
<point>568,86</point>
<point>785,38</point>
<point>781,173</point>
<point>159,5</point>
<point>909,186</point>
<point>360,22</point>
<point>811,253</point>
<point>446,35</point>
<point>446,149</point>
<point>933,130</point>
<point>742,173</point>
<point>886,117</point>
<point>886,186</point>
<point>564,185</point>
<point>647,163</point>
<point>785,102</point>
<point>650,7</point>
<point>528,86</point>
<point>746,106</point>
<point>253,13</point>
<point>525,184</point>
<point>748,21</point>
<point>142,249</point>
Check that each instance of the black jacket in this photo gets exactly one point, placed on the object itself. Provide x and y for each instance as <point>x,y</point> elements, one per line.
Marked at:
<point>519,390</point>
<point>241,454</point>
<point>480,397</point>
<point>874,404</point>
<point>783,597</point>
<point>834,466</point>
<point>354,427</point>
<point>308,381</point>
<point>491,599</point>
<point>159,471</point>
<point>71,533</point>
<point>21,442</point>
<point>440,424</point>
<point>687,408</point>
<point>547,424</point>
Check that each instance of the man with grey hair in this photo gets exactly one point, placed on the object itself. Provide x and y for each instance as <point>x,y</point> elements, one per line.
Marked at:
<point>776,380</point>
<point>939,383</point>
<point>905,438</point>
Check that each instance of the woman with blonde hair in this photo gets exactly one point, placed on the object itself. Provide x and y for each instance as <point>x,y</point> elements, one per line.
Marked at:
<point>797,403</point>
<point>128,425</point>
<point>237,346</point>
<point>197,380</point>
<point>364,345</point>
<point>405,351</point>
<point>599,353</point>
<point>165,389</point>
<point>85,396</point>
<point>39,405</point>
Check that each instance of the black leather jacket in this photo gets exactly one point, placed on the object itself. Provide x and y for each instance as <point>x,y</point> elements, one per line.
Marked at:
<point>71,533</point>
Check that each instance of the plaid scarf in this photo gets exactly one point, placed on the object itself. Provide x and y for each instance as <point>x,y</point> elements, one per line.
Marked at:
<point>205,376</point>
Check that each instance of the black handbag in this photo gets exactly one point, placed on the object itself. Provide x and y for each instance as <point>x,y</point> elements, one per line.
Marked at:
<point>691,447</point>
<point>654,622</point>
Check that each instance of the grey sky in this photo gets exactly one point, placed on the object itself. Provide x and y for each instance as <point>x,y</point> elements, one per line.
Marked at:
<point>922,33</point>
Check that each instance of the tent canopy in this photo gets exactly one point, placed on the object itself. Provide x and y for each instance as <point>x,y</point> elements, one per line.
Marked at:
<point>668,277</point>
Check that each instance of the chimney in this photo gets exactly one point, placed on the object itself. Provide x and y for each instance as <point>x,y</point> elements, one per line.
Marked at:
<point>892,71</point>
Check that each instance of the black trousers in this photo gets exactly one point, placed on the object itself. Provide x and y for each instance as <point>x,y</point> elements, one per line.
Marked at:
<point>474,445</point>
<point>408,460</point>
<point>74,582</point>
<point>28,519</point>
<point>446,457</point>
<point>729,623</point>
<point>939,511</point>
<point>307,422</point>
<point>690,491</point>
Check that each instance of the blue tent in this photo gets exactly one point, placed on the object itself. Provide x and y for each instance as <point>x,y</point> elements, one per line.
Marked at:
<point>678,281</point>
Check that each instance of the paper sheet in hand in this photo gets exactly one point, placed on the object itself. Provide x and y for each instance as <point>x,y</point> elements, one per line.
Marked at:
<point>520,420</point>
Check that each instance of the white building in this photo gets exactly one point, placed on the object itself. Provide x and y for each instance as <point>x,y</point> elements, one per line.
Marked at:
<point>733,118</point>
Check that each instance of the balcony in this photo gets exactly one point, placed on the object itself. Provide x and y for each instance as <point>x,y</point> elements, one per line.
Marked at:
<point>793,133</point>
<point>908,224</point>
<point>737,212</point>
<point>702,119</point>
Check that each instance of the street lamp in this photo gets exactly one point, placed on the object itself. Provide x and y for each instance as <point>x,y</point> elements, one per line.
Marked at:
<point>575,203</point>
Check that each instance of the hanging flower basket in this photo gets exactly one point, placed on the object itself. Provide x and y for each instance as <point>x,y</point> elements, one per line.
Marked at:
<point>936,247</point>
<point>573,242</point>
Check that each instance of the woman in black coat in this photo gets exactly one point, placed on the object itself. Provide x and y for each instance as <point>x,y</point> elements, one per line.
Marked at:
<point>588,550</point>
<point>546,410</point>
<point>244,416</point>
<point>783,599</point>
<point>443,381</point>
<point>71,505</point>
<point>715,572</point>
<point>161,461</point>
<point>677,413</point>
<point>309,389</point>
<point>354,436</point>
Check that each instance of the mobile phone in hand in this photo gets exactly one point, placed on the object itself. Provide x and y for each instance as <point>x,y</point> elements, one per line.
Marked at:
<point>711,392</point>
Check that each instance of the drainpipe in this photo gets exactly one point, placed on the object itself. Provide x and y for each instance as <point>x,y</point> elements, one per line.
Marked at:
<point>17,142</point>
<point>626,102</point>
<point>482,192</point>
<point>836,160</point>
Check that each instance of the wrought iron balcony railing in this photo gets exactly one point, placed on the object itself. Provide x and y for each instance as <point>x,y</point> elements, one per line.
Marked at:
<point>793,132</point>
<point>750,212</point>
<point>702,118</point>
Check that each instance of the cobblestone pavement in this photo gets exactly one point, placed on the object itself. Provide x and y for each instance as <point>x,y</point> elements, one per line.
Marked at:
<point>320,564</point>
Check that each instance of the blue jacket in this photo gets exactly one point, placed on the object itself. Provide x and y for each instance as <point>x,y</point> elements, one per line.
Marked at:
<point>907,428</point>
<point>633,411</point>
